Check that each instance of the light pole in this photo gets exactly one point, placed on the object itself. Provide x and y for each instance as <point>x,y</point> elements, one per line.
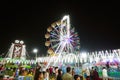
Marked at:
<point>35,51</point>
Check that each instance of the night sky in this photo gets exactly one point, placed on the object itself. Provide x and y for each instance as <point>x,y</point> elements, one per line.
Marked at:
<point>97,24</point>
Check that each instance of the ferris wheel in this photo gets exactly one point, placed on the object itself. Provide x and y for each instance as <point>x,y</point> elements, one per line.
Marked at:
<point>62,38</point>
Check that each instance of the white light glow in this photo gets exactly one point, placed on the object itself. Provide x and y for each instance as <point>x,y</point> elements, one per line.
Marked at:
<point>84,55</point>
<point>21,42</point>
<point>16,41</point>
<point>35,50</point>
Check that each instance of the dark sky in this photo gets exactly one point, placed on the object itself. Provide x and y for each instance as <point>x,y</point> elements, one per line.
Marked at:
<point>96,23</point>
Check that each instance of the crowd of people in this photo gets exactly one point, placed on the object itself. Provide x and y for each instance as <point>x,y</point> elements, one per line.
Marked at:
<point>51,73</point>
<point>56,73</point>
<point>13,73</point>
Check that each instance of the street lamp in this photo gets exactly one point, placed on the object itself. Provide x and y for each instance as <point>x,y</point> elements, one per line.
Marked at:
<point>35,51</point>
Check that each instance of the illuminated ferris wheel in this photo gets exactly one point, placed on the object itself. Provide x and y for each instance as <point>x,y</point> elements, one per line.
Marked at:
<point>61,38</point>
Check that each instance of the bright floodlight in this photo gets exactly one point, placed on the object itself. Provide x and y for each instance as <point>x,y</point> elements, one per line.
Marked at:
<point>21,42</point>
<point>16,41</point>
<point>35,50</point>
<point>84,55</point>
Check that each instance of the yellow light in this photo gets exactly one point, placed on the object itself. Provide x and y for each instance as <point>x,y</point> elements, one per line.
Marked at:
<point>47,35</point>
<point>49,29</point>
<point>53,25</point>
<point>47,43</point>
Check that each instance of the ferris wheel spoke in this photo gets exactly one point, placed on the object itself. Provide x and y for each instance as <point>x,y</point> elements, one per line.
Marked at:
<point>54,46</point>
<point>58,47</point>
<point>54,40</point>
<point>61,34</point>
<point>54,35</point>
<point>74,39</point>
<point>57,30</point>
